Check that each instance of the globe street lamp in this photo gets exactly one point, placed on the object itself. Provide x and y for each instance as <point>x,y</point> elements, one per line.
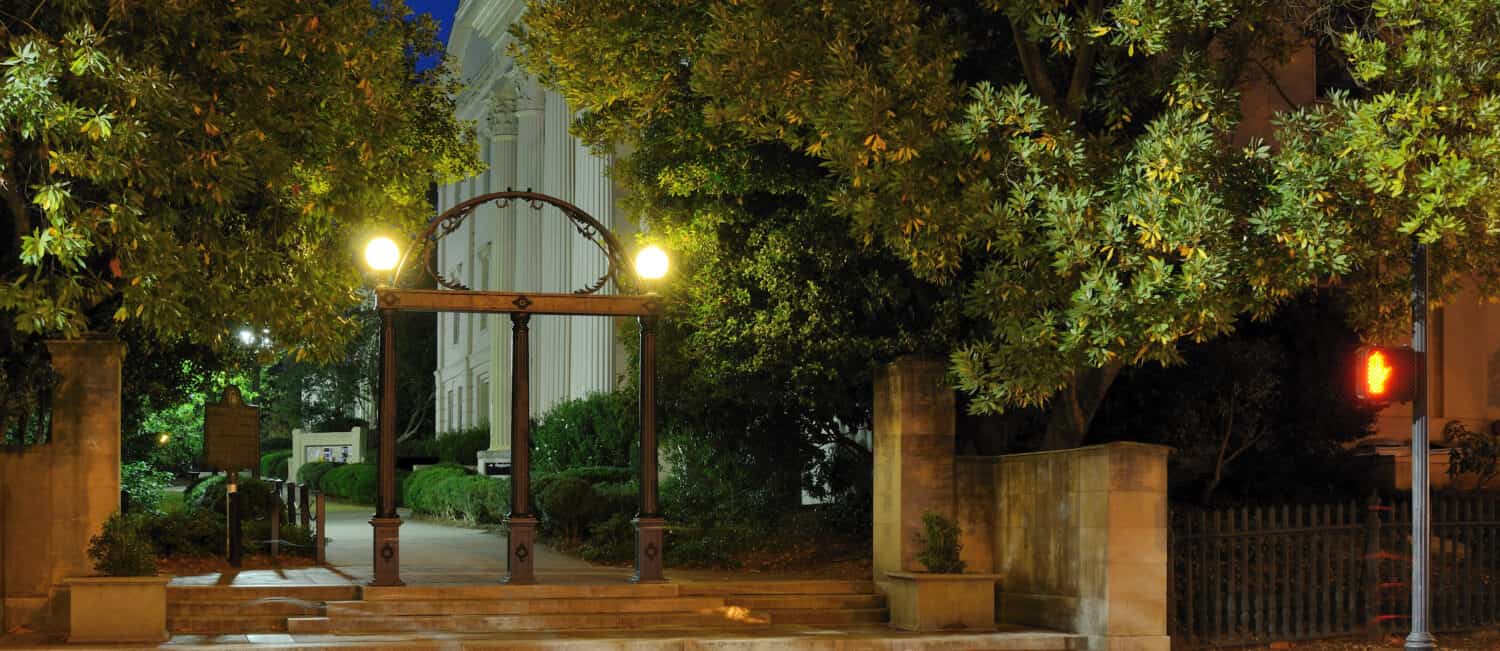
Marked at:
<point>382,254</point>
<point>651,263</point>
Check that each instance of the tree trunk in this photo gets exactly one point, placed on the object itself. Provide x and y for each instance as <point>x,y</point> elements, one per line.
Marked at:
<point>1074,407</point>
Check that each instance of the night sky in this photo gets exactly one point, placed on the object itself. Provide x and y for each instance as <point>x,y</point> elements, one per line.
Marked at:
<point>443,11</point>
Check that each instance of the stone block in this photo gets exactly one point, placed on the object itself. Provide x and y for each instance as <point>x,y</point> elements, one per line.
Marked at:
<point>942,602</point>
<point>1138,466</point>
<point>1132,643</point>
<point>1137,599</point>
<point>1043,610</point>
<point>1137,510</point>
<point>1137,545</point>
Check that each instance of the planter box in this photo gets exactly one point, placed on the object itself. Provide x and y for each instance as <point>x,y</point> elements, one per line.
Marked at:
<point>118,609</point>
<point>942,602</point>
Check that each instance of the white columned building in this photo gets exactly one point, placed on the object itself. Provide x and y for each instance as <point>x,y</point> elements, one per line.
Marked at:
<point>523,136</point>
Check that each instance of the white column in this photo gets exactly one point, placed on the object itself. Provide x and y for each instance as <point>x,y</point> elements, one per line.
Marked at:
<point>502,175</point>
<point>552,332</point>
<point>592,337</point>
<point>529,171</point>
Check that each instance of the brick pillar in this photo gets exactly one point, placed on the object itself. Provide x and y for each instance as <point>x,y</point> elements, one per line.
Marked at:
<point>914,448</point>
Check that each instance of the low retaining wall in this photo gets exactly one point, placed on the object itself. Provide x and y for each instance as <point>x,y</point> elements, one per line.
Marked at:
<point>1078,537</point>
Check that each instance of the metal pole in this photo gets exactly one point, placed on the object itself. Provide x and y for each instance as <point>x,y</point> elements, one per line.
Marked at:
<point>1421,527</point>
<point>236,535</point>
<point>520,522</point>
<point>650,526</point>
<point>387,523</point>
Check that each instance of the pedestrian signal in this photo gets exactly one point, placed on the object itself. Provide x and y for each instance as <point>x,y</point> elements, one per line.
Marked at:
<point>1383,374</point>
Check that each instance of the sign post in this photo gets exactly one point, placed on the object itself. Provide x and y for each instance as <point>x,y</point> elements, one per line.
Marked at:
<point>231,443</point>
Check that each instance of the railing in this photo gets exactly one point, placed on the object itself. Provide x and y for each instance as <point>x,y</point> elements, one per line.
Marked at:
<point>294,500</point>
<point>1267,573</point>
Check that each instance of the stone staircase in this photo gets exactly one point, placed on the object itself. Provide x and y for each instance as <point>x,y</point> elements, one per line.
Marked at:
<point>247,609</point>
<point>356,610</point>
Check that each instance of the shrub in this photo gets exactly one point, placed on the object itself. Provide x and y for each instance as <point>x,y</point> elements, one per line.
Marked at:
<point>612,540</point>
<point>938,544</point>
<point>275,444</point>
<point>312,473</point>
<point>357,482</point>
<point>600,474</point>
<point>123,548</point>
<point>420,489</point>
<point>274,465</point>
<point>143,485</point>
<point>619,497</point>
<point>188,532</point>
<point>1472,452</point>
<point>568,505</point>
<point>596,430</point>
<point>257,497</point>
<point>462,446</point>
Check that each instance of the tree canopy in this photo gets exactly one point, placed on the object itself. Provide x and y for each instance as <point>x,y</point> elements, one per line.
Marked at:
<point>1066,173</point>
<point>183,169</point>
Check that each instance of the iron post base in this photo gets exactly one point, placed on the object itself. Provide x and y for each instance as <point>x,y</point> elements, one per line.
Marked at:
<point>520,560</point>
<point>387,556</point>
<point>649,534</point>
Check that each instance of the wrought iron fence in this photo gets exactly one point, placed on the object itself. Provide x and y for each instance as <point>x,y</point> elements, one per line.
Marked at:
<point>1289,572</point>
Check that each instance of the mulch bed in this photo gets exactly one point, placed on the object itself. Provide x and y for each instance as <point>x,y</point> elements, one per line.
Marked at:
<point>189,566</point>
<point>1471,641</point>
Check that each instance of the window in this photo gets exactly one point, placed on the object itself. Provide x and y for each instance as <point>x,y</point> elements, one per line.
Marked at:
<point>451,411</point>
<point>484,281</point>
<point>482,401</point>
<point>457,277</point>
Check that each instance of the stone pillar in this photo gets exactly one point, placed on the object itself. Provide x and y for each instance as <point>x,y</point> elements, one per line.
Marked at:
<point>502,122</point>
<point>553,336</point>
<point>530,158</point>
<point>593,337</point>
<point>1081,543</point>
<point>914,429</point>
<point>55,497</point>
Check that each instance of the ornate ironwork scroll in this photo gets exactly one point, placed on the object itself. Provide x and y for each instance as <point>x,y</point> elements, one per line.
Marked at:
<point>444,224</point>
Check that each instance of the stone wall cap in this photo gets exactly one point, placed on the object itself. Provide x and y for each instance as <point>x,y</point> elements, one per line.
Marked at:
<point>1114,445</point>
<point>120,580</point>
<point>916,576</point>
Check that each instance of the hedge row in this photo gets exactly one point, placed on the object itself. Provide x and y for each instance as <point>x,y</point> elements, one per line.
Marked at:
<point>357,482</point>
<point>460,447</point>
<point>274,465</point>
<point>451,491</point>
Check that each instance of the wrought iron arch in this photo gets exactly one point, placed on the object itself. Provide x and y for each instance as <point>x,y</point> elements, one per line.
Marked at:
<point>444,224</point>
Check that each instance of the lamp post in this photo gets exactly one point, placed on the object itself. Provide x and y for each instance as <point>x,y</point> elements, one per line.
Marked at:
<point>650,527</point>
<point>382,254</point>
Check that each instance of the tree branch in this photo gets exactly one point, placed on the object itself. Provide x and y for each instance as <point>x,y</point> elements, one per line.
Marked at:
<point>1083,67</point>
<point>1031,63</point>
<point>11,190</point>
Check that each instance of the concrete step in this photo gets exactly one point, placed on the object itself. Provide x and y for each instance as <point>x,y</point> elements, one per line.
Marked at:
<point>308,625</point>
<point>819,586</point>
<point>523,606</point>
<point>500,591</point>
<point>806,601</point>
<point>269,606</point>
<point>794,638</point>
<point>728,617</point>
<point>227,624</point>
<point>842,617</point>
<point>177,593</point>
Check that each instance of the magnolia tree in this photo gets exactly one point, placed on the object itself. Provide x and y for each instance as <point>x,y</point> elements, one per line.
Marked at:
<point>180,170</point>
<point>1063,173</point>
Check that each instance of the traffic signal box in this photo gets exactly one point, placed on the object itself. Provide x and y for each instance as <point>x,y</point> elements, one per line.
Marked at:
<point>1384,374</point>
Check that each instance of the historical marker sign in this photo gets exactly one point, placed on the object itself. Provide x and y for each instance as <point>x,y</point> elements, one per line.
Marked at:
<point>231,433</point>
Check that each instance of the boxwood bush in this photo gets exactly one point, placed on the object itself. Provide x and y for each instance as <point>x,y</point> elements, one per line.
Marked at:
<point>356,482</point>
<point>312,473</point>
<point>596,430</point>
<point>420,491</point>
<point>274,465</point>
<point>451,491</point>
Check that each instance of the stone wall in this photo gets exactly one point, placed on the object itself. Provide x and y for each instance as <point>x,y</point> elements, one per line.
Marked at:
<point>54,497</point>
<point>1078,537</point>
<point>1080,542</point>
